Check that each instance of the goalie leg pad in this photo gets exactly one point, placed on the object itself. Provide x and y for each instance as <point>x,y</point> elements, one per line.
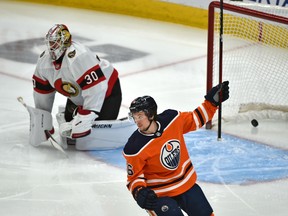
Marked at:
<point>60,116</point>
<point>40,120</point>
<point>107,134</point>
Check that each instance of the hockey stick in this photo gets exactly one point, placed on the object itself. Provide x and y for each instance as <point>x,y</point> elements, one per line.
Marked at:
<point>20,99</point>
<point>220,68</point>
<point>54,143</point>
<point>49,136</point>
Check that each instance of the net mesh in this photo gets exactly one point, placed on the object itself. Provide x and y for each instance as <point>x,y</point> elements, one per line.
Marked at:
<point>255,58</point>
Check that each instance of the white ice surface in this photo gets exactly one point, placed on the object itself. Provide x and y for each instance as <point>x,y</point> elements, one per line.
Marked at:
<point>40,181</point>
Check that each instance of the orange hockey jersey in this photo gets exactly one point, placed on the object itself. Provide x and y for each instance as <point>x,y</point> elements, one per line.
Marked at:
<point>161,161</point>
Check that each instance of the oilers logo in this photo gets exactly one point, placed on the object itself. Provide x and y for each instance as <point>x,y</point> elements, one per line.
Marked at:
<point>170,154</point>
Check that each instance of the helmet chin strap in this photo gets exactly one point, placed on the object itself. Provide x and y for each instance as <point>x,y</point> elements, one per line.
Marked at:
<point>148,126</point>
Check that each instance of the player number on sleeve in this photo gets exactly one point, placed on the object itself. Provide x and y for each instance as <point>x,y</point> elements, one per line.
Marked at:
<point>92,77</point>
<point>130,170</point>
<point>34,83</point>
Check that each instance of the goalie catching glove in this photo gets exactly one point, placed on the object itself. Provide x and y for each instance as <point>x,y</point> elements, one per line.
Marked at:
<point>214,94</point>
<point>80,126</point>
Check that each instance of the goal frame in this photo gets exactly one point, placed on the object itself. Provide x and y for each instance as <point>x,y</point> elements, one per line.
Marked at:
<point>210,38</point>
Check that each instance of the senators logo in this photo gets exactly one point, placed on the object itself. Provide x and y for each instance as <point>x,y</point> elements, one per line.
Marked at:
<point>170,154</point>
<point>70,89</point>
<point>72,54</point>
<point>65,88</point>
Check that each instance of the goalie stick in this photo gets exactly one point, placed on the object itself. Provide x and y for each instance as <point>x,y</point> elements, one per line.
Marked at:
<point>20,99</point>
<point>54,143</point>
<point>49,136</point>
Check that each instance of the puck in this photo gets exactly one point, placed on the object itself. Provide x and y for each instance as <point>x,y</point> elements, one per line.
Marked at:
<point>254,122</point>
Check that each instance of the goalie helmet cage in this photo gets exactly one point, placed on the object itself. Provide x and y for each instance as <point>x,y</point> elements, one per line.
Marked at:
<point>254,58</point>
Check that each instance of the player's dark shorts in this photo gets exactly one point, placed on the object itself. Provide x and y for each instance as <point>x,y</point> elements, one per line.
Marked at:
<point>193,202</point>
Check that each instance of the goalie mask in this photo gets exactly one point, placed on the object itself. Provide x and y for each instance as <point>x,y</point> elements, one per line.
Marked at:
<point>58,39</point>
<point>146,104</point>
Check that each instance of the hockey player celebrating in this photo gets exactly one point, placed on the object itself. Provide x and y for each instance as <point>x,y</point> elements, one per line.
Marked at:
<point>90,84</point>
<point>160,174</point>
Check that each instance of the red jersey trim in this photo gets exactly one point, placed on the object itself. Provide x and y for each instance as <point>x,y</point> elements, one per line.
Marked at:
<point>111,82</point>
<point>42,86</point>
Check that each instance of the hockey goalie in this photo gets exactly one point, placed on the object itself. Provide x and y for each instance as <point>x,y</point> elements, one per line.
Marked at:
<point>93,92</point>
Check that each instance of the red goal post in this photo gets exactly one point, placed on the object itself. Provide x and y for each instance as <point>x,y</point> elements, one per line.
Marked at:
<point>254,58</point>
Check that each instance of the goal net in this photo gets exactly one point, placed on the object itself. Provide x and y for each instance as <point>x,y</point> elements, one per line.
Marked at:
<point>254,59</point>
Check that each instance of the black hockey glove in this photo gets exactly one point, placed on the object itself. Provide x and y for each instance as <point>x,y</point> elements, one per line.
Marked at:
<point>145,198</point>
<point>213,94</point>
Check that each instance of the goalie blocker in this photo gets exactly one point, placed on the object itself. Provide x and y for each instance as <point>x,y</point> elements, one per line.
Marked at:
<point>105,134</point>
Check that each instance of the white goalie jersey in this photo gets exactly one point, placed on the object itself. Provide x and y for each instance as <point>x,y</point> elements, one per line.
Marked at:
<point>80,75</point>
<point>91,83</point>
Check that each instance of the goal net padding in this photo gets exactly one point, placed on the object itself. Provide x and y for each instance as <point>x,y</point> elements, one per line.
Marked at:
<point>254,59</point>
